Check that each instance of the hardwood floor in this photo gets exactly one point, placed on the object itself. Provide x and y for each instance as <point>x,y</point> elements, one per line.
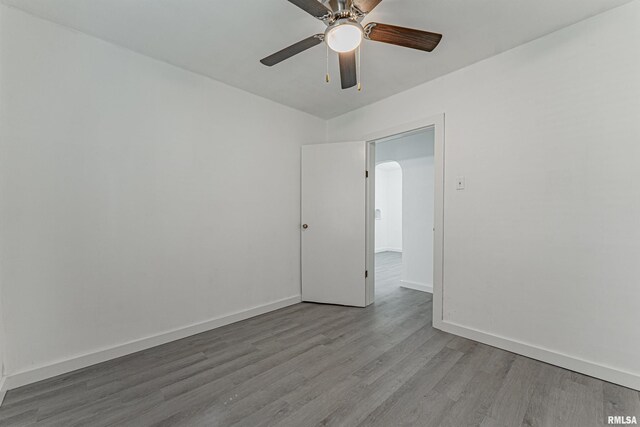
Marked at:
<point>311,365</point>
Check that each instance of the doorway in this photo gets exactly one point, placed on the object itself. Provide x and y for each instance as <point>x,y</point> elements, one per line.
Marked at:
<point>404,212</point>
<point>338,217</point>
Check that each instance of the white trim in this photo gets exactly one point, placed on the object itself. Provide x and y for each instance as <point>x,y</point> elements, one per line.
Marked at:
<point>407,128</point>
<point>369,227</point>
<point>40,373</point>
<point>423,287</point>
<point>438,218</point>
<point>603,372</point>
<point>3,389</point>
<point>385,249</point>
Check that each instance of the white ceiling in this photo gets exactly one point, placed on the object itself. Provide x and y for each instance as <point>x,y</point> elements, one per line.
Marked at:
<point>225,40</point>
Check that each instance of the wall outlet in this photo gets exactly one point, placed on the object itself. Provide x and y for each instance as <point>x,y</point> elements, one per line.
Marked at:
<point>460,183</point>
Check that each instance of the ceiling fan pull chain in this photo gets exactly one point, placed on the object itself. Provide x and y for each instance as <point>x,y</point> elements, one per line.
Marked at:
<point>326,77</point>
<point>359,68</point>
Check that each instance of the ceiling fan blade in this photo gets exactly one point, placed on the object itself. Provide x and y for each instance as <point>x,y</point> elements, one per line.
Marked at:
<point>348,75</point>
<point>334,5</point>
<point>313,7</point>
<point>292,50</point>
<point>401,36</point>
<point>365,6</point>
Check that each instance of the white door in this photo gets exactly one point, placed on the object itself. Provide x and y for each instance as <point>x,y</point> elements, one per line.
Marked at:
<point>333,223</point>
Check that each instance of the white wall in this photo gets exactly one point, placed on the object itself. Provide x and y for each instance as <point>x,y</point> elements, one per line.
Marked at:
<point>135,198</point>
<point>381,222</point>
<point>394,209</point>
<point>389,201</point>
<point>418,191</point>
<point>541,249</point>
<point>415,153</point>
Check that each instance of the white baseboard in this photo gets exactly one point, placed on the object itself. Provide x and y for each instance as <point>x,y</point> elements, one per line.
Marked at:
<point>378,250</point>
<point>40,373</point>
<point>606,373</point>
<point>3,388</point>
<point>424,287</point>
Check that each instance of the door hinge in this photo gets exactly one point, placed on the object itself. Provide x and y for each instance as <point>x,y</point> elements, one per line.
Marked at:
<point>366,174</point>
<point>366,274</point>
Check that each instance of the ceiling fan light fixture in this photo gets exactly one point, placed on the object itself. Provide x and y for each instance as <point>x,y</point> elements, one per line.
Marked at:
<point>344,36</point>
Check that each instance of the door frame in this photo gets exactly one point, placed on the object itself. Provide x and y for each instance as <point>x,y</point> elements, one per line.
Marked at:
<point>437,123</point>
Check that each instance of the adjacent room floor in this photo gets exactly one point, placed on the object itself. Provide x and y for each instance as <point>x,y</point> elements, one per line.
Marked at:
<point>312,364</point>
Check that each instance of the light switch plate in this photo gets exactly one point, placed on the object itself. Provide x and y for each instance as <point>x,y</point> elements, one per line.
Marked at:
<point>460,183</point>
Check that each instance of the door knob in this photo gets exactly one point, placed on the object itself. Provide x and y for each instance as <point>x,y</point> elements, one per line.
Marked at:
<point>305,226</point>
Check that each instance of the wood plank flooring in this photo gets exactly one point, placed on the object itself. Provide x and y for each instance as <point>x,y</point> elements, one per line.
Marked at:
<point>317,365</point>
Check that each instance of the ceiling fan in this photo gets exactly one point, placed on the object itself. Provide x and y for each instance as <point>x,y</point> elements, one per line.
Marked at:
<point>345,32</point>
